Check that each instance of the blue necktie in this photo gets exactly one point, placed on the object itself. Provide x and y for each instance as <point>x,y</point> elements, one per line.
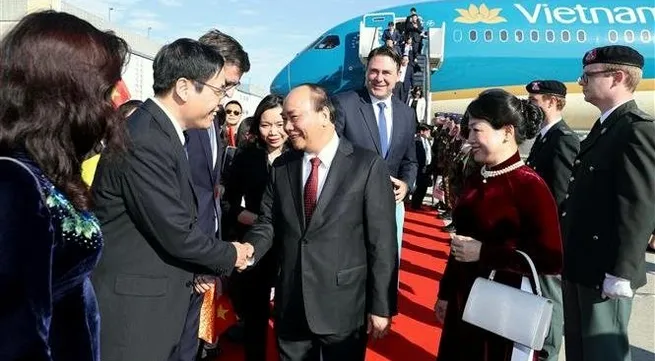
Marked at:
<point>382,125</point>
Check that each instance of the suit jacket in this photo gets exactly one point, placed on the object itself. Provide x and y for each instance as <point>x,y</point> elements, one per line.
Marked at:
<point>205,175</point>
<point>357,123</point>
<point>396,37</point>
<point>344,263</point>
<point>552,158</point>
<point>610,211</point>
<point>153,242</point>
<point>404,86</point>
<point>247,180</point>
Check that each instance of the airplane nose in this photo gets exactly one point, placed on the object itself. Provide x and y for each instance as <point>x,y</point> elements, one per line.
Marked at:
<point>280,84</point>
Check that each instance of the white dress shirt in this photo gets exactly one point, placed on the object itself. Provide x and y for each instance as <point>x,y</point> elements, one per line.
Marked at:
<point>213,142</point>
<point>326,156</point>
<point>609,112</point>
<point>178,127</point>
<point>388,114</point>
<point>545,129</point>
<point>428,150</point>
<point>401,73</point>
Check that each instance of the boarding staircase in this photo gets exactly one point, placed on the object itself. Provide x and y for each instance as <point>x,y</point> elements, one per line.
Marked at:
<point>429,60</point>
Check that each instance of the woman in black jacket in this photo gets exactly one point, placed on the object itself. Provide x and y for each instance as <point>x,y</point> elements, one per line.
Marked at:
<point>244,188</point>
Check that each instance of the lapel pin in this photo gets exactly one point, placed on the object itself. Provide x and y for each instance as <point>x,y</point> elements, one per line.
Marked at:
<point>602,131</point>
<point>543,140</point>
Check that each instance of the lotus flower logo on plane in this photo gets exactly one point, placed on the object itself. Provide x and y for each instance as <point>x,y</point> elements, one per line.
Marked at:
<point>482,14</point>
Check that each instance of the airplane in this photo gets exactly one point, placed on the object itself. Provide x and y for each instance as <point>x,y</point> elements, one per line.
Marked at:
<point>476,45</point>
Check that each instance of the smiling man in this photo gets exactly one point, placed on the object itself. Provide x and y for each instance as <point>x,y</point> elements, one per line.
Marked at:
<point>374,119</point>
<point>148,211</point>
<point>328,213</point>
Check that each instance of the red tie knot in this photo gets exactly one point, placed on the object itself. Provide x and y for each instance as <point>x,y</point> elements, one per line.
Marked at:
<point>315,162</point>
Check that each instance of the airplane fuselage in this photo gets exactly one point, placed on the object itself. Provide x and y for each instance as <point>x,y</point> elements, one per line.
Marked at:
<point>498,43</point>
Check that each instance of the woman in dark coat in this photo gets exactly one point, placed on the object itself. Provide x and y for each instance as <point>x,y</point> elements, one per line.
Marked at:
<point>247,181</point>
<point>503,208</point>
<point>58,73</point>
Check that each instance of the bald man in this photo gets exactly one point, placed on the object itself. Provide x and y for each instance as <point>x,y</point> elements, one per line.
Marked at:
<point>329,207</point>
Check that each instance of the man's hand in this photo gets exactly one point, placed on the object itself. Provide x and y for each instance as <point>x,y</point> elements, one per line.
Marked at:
<point>245,251</point>
<point>202,283</point>
<point>399,189</point>
<point>616,287</point>
<point>440,311</point>
<point>246,217</point>
<point>378,326</point>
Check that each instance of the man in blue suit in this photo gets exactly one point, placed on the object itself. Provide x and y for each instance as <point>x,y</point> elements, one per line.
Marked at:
<point>374,119</point>
<point>205,157</point>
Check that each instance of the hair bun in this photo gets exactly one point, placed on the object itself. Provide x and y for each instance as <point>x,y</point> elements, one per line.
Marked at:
<point>533,116</point>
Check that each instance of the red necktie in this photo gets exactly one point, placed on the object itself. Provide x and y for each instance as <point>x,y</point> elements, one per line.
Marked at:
<point>230,137</point>
<point>311,190</point>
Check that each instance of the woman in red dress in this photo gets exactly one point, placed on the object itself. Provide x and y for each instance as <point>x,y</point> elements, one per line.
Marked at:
<point>503,208</point>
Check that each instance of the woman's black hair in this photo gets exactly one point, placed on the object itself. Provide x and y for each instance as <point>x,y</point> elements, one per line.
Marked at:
<point>501,109</point>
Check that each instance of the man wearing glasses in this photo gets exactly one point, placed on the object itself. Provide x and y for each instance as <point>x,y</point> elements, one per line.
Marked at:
<point>206,150</point>
<point>148,211</point>
<point>609,210</point>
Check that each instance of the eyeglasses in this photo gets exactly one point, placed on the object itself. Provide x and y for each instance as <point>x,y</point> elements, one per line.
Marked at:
<point>220,92</point>
<point>230,111</point>
<point>584,78</point>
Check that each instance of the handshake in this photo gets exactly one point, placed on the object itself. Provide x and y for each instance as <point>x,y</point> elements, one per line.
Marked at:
<point>245,255</point>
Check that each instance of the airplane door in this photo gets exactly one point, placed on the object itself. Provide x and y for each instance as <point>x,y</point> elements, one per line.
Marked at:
<point>380,21</point>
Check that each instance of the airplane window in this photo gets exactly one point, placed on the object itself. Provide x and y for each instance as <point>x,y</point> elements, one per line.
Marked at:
<point>488,36</point>
<point>582,36</point>
<point>645,36</point>
<point>550,36</point>
<point>629,36</point>
<point>518,35</point>
<point>534,36</point>
<point>613,36</point>
<point>329,42</point>
<point>473,35</point>
<point>566,36</point>
<point>503,35</point>
<point>457,35</point>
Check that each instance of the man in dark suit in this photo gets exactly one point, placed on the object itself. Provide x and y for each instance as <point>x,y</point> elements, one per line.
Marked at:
<point>424,158</point>
<point>552,156</point>
<point>334,237</point>
<point>405,79</point>
<point>609,211</point>
<point>205,153</point>
<point>147,207</point>
<point>373,119</point>
<point>390,33</point>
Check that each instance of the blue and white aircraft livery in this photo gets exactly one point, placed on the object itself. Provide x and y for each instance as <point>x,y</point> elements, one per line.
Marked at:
<point>494,43</point>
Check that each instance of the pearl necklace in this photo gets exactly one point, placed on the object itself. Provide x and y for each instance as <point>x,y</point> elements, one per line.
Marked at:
<point>495,173</point>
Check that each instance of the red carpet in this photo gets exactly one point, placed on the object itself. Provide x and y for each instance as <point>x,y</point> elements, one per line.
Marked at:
<point>414,334</point>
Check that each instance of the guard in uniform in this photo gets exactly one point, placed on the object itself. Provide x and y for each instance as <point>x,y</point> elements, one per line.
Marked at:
<point>552,156</point>
<point>608,213</point>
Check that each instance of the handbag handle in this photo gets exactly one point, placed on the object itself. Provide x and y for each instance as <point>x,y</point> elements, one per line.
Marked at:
<point>532,268</point>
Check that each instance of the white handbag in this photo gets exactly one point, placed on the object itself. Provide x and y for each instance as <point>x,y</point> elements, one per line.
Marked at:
<point>517,315</point>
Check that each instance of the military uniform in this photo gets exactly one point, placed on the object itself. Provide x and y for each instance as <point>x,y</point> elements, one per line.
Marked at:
<point>551,156</point>
<point>607,217</point>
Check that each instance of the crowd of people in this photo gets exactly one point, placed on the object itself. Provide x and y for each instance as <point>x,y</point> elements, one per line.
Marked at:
<point>119,222</point>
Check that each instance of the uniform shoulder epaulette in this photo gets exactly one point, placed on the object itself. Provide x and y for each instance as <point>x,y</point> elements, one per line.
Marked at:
<point>566,131</point>
<point>642,115</point>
